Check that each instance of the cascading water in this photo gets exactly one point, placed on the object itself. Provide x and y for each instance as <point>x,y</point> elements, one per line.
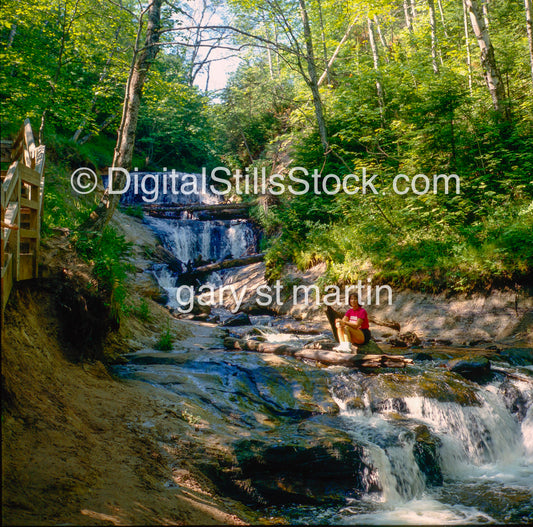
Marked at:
<point>190,239</point>
<point>483,450</point>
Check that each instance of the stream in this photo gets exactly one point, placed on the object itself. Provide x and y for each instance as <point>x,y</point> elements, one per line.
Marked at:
<point>308,444</point>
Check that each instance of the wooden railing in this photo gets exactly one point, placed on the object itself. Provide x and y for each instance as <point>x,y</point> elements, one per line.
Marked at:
<point>22,199</point>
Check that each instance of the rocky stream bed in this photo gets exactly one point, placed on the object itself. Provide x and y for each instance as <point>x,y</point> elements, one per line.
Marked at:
<point>447,439</point>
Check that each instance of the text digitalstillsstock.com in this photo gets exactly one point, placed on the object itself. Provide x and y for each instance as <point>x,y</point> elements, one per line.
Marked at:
<point>222,182</point>
<point>267,295</point>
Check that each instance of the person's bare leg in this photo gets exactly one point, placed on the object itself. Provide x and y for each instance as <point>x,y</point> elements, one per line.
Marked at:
<point>341,332</point>
<point>354,336</point>
<point>344,338</point>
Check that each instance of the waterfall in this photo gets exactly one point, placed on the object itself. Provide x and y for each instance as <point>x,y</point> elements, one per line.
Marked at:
<point>210,241</point>
<point>193,241</point>
<point>484,448</point>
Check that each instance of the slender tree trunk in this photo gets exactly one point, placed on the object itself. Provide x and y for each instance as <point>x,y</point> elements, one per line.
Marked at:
<point>268,50</point>
<point>336,52</point>
<point>375,56</point>
<point>12,34</point>
<point>488,61</point>
<point>207,76</point>
<point>312,80</point>
<point>381,38</point>
<point>529,27</point>
<point>467,43</point>
<point>323,37</point>
<point>433,25</point>
<point>407,16</point>
<point>142,60</point>
<point>441,11</point>
<point>485,7</point>
<point>102,127</point>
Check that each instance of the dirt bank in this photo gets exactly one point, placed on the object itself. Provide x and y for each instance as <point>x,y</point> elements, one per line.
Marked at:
<point>75,448</point>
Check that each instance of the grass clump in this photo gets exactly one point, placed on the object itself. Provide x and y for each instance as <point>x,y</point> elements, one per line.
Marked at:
<point>165,340</point>
<point>135,211</point>
<point>142,311</point>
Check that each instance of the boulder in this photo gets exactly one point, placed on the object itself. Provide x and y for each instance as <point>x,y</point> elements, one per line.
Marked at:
<point>370,348</point>
<point>472,368</point>
<point>241,319</point>
<point>315,466</point>
<point>426,454</point>
<point>405,340</point>
<point>420,356</point>
<point>514,399</point>
<point>518,356</point>
<point>253,308</point>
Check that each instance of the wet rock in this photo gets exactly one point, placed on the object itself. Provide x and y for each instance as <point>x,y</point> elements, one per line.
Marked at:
<point>472,368</point>
<point>444,387</point>
<point>396,342</point>
<point>317,465</point>
<point>254,309</point>
<point>476,342</point>
<point>395,404</point>
<point>514,399</point>
<point>161,297</point>
<point>198,308</point>
<point>421,357</point>
<point>241,319</point>
<point>426,454</point>
<point>518,356</point>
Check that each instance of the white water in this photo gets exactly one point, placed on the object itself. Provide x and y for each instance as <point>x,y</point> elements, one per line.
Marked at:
<point>209,240</point>
<point>484,451</point>
<point>194,241</point>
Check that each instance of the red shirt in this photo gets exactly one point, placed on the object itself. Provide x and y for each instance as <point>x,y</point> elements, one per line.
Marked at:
<point>354,314</point>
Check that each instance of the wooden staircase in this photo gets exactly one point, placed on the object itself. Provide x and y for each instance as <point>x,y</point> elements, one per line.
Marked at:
<point>21,199</point>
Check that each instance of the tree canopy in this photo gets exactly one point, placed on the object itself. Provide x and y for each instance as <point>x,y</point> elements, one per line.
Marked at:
<point>389,87</point>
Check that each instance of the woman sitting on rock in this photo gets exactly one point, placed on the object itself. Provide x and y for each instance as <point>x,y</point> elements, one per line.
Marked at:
<point>353,327</point>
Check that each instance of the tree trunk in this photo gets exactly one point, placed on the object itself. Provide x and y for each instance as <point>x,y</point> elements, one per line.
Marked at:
<point>375,56</point>
<point>433,25</point>
<point>381,39</point>
<point>12,34</point>
<point>336,52</point>
<point>529,27</point>
<point>312,80</point>
<point>141,62</point>
<point>467,43</point>
<point>442,18</point>
<point>485,7</point>
<point>413,9</point>
<point>102,127</point>
<point>407,16</point>
<point>323,36</point>
<point>488,61</point>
